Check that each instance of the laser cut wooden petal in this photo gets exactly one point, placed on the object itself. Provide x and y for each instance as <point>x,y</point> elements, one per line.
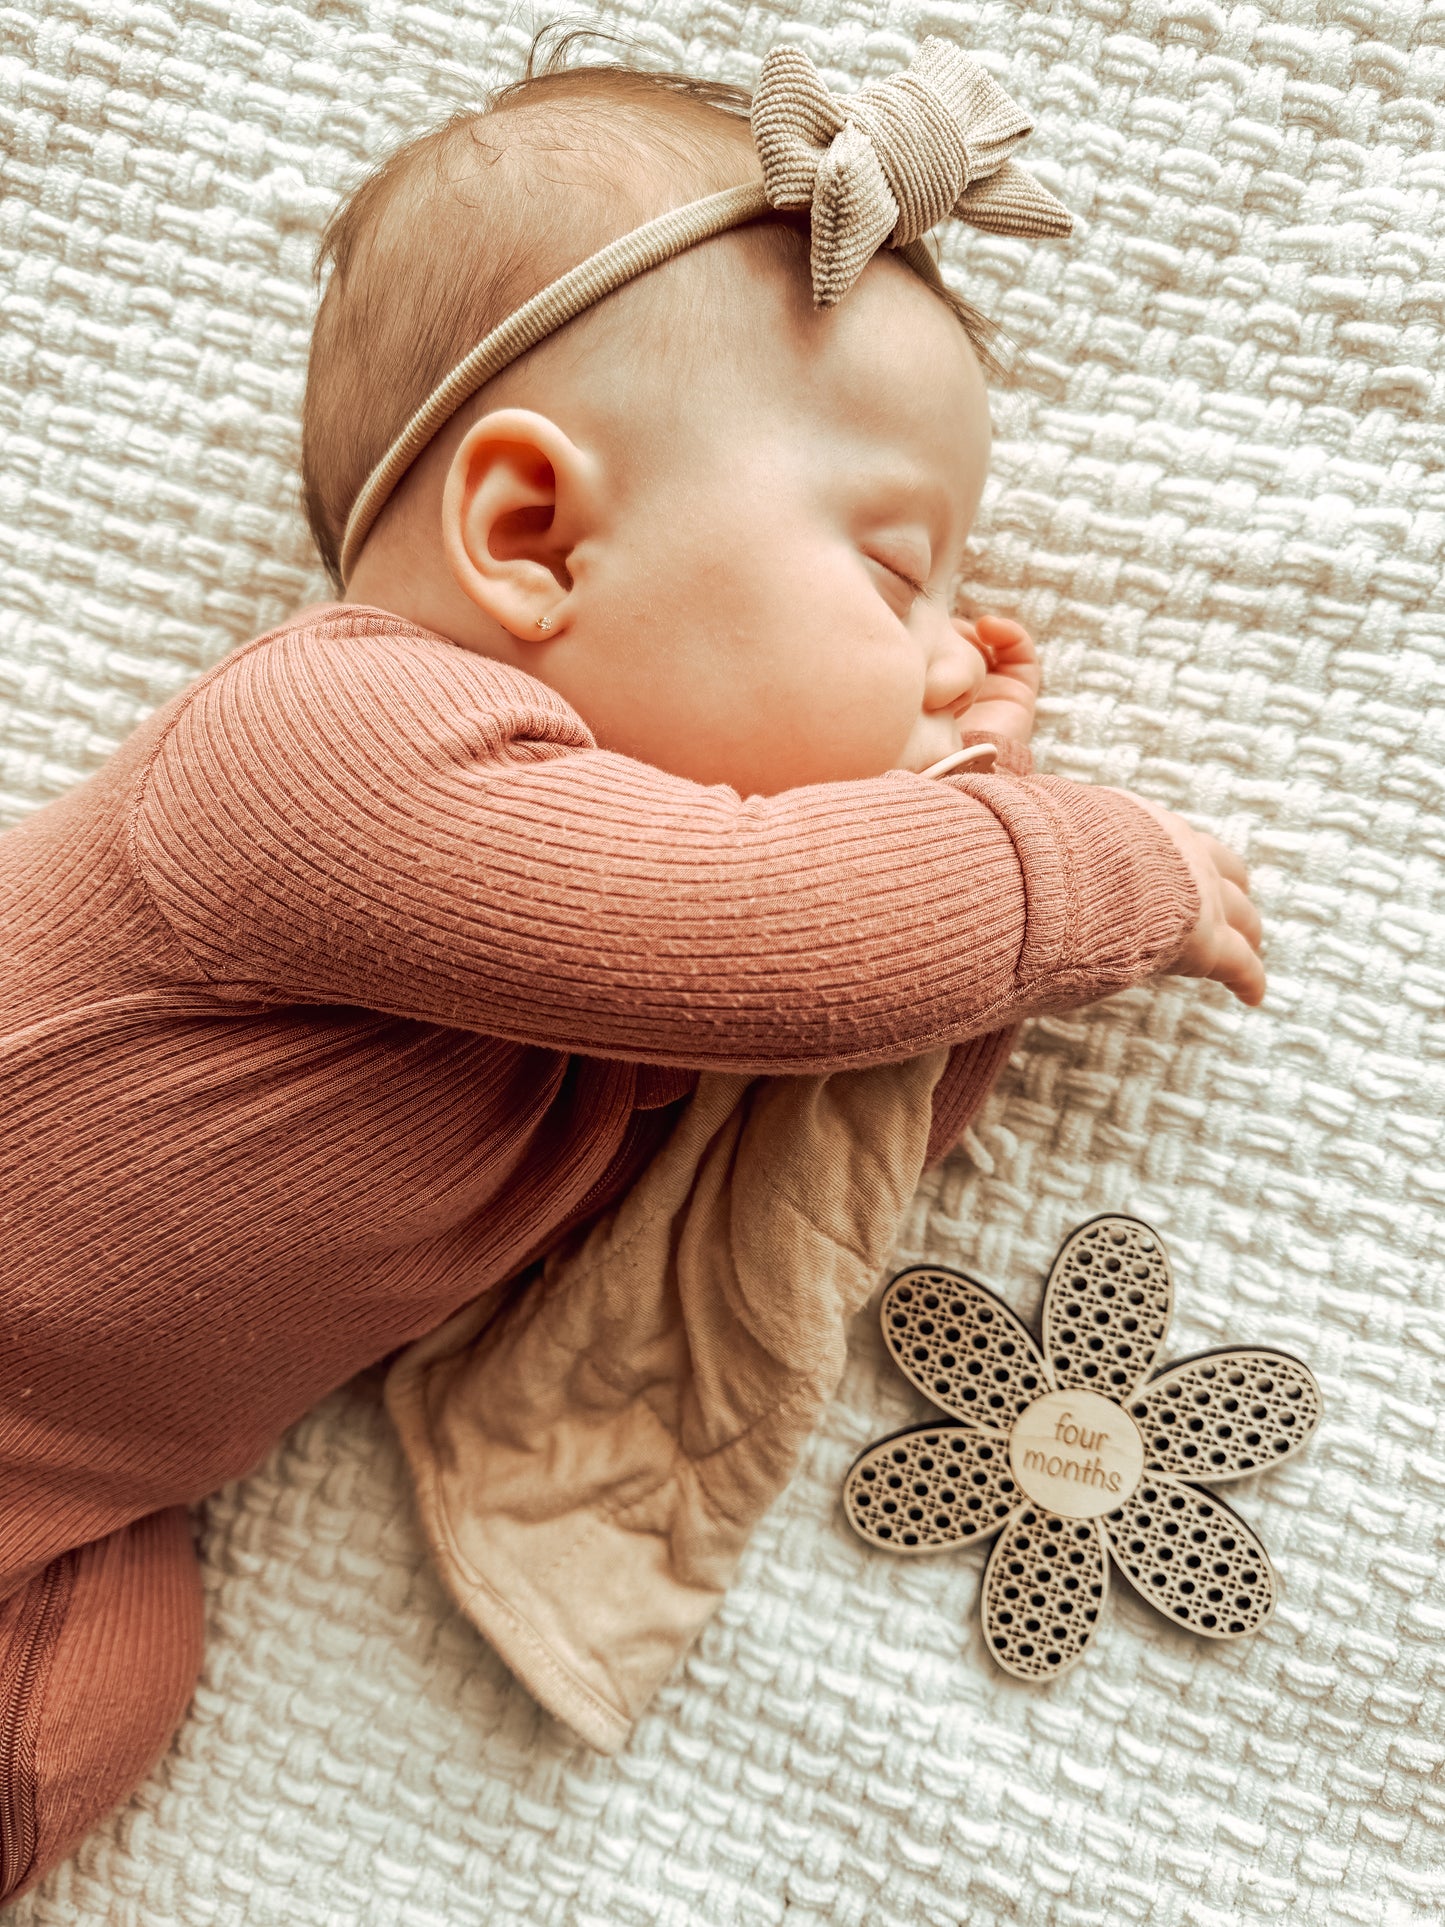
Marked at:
<point>1107,1306</point>
<point>1224,1414</point>
<point>1043,1593</point>
<point>1193,1558</point>
<point>1072,1455</point>
<point>931,1486</point>
<point>960,1345</point>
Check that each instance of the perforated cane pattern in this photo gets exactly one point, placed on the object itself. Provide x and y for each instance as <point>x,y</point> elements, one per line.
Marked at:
<point>1107,1306</point>
<point>927,1488</point>
<point>1193,1558</point>
<point>1216,500</point>
<point>961,1346</point>
<point>1224,1414</point>
<point>1071,1438</point>
<point>1043,1591</point>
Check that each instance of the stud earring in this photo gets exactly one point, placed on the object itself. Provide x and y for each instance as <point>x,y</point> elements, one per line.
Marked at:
<point>544,622</point>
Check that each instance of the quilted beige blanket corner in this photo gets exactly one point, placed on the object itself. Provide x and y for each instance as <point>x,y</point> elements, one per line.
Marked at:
<point>592,1450</point>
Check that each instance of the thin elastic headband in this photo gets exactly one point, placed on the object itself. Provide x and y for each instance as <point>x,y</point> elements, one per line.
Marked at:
<point>558,302</point>
<point>872,169</point>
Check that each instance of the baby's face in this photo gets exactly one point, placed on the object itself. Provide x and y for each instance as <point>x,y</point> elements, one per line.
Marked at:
<point>777,580</point>
<point>744,559</point>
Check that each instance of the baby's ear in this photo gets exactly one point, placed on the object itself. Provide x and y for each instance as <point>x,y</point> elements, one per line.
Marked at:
<point>517,500</point>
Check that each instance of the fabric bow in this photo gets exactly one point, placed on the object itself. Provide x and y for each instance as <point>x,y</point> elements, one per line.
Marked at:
<point>886,164</point>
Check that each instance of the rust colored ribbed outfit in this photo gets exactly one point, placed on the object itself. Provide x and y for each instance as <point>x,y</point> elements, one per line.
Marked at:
<point>355,977</point>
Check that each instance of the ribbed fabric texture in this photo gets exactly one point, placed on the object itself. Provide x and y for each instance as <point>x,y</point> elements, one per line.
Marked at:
<point>888,162</point>
<point>892,159</point>
<point>548,310</point>
<point>360,973</point>
<point>354,979</point>
<point>123,1667</point>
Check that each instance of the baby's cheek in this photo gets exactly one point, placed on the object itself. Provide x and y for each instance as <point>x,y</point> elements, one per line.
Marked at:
<point>798,671</point>
<point>869,691</point>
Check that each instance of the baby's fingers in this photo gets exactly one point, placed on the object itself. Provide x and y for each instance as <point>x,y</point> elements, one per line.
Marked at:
<point>1008,646</point>
<point>1241,913</point>
<point>1229,863</point>
<point>1003,635</point>
<point>1239,969</point>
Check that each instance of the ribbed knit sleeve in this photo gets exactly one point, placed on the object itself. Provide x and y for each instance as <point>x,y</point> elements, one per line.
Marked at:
<point>355,811</point>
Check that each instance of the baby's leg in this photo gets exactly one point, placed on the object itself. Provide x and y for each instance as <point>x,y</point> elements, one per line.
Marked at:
<point>98,1656</point>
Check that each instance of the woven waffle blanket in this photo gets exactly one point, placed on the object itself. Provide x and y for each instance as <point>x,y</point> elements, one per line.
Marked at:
<point>1218,500</point>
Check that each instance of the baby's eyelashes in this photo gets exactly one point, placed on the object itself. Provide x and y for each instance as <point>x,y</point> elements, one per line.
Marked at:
<point>900,587</point>
<point>905,554</point>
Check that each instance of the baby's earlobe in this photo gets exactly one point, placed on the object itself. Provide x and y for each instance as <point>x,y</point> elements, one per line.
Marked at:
<point>513,505</point>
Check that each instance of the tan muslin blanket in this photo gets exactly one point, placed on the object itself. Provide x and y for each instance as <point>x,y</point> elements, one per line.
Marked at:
<point>592,1447</point>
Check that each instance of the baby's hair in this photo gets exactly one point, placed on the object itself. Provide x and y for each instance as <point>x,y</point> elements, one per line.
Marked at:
<point>440,243</point>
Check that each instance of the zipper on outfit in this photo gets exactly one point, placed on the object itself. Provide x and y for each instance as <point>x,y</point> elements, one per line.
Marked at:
<point>40,1612</point>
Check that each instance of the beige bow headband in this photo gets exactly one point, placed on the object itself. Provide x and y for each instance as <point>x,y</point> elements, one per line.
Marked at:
<point>877,168</point>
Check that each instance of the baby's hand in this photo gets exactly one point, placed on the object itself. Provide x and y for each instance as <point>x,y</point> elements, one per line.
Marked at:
<point>1003,703</point>
<point>1224,943</point>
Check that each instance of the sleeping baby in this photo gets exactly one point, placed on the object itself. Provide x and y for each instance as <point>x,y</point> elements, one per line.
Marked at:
<point>642,441</point>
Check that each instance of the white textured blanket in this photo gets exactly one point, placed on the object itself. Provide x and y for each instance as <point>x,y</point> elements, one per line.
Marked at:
<point>1219,502</point>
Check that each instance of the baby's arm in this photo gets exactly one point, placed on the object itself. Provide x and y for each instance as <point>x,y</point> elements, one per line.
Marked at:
<point>350,814</point>
<point>1224,943</point>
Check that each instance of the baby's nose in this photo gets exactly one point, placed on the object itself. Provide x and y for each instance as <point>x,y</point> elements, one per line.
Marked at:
<point>955,671</point>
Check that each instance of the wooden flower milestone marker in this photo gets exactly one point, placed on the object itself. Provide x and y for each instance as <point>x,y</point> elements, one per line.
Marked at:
<point>1074,1455</point>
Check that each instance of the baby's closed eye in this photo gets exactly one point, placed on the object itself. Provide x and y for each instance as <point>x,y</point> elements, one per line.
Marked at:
<point>900,575</point>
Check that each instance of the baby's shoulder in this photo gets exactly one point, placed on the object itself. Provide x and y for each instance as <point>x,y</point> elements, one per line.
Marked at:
<point>336,665</point>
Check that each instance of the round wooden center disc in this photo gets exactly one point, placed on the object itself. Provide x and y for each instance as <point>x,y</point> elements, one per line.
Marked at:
<point>1076,1454</point>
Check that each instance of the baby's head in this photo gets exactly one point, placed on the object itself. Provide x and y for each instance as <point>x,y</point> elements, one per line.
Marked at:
<point>722,523</point>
